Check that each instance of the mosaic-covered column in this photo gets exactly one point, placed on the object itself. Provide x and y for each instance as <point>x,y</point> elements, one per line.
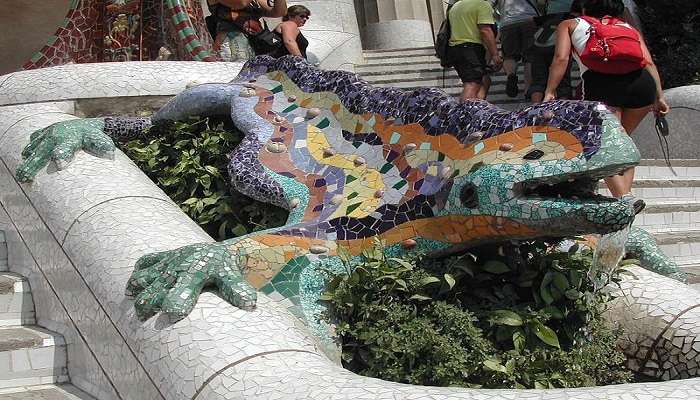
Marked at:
<point>393,24</point>
<point>333,33</point>
<point>127,30</point>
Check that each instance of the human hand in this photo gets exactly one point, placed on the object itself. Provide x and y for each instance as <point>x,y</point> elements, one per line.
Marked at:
<point>496,63</point>
<point>660,106</point>
<point>549,96</point>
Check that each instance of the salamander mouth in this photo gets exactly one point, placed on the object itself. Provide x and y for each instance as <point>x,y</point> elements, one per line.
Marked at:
<point>571,188</point>
<point>574,189</point>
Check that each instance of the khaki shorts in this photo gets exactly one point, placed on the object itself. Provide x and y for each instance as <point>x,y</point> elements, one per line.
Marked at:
<point>517,40</point>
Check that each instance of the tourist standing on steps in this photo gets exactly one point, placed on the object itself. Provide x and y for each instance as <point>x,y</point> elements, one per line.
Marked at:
<point>237,21</point>
<point>631,95</point>
<point>471,37</point>
<point>517,28</point>
<point>554,12</point>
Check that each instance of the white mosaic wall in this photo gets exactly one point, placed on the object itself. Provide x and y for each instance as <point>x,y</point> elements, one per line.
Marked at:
<point>76,233</point>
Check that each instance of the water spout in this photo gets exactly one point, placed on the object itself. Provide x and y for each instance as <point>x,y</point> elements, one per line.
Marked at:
<point>607,256</point>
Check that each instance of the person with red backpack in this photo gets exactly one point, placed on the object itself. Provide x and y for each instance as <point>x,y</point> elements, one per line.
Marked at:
<point>616,69</point>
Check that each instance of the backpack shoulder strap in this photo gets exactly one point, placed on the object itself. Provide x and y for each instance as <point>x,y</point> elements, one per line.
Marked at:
<point>534,7</point>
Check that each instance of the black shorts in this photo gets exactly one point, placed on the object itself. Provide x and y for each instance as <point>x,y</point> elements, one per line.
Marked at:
<point>634,90</point>
<point>517,39</point>
<point>469,60</point>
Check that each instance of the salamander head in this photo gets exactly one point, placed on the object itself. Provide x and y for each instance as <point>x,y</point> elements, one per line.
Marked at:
<point>547,184</point>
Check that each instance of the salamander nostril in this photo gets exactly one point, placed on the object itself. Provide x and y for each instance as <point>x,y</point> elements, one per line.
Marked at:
<point>534,155</point>
<point>468,196</point>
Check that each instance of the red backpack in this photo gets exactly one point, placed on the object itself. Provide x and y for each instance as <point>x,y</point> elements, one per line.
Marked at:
<point>613,47</point>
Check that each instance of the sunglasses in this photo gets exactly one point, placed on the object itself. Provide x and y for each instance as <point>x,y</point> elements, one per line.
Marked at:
<point>304,16</point>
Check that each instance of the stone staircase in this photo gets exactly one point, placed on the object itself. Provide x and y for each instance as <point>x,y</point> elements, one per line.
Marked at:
<point>32,359</point>
<point>672,213</point>
<point>418,67</point>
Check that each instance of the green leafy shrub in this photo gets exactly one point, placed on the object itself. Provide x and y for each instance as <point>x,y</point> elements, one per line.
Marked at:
<point>188,161</point>
<point>671,30</point>
<point>527,319</point>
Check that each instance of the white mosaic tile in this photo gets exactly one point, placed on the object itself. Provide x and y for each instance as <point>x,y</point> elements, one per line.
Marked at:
<point>80,81</point>
<point>217,352</point>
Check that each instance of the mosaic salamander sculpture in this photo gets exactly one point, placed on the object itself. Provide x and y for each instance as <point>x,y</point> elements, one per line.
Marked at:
<point>353,164</point>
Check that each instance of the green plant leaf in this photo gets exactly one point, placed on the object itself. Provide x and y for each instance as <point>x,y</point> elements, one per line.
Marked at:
<point>494,365</point>
<point>544,333</point>
<point>429,280</point>
<point>546,295</point>
<point>420,297</point>
<point>560,282</point>
<point>495,267</point>
<point>402,263</point>
<point>506,317</point>
<point>519,340</point>
<point>450,280</point>
<point>572,294</point>
<point>325,297</point>
<point>553,312</point>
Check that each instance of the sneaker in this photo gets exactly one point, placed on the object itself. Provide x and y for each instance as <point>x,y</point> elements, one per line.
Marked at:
<point>512,85</point>
<point>637,203</point>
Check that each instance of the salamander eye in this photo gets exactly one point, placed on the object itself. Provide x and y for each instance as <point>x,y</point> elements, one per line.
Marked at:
<point>534,155</point>
<point>468,196</point>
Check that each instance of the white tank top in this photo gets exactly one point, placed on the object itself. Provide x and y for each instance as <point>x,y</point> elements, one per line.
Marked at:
<point>579,38</point>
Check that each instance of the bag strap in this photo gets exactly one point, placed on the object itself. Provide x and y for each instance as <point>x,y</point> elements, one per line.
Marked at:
<point>534,7</point>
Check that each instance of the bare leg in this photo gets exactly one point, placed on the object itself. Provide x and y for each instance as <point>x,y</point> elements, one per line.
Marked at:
<point>485,86</point>
<point>536,97</point>
<point>528,76</point>
<point>618,183</point>
<point>509,66</point>
<point>630,118</point>
<point>470,90</point>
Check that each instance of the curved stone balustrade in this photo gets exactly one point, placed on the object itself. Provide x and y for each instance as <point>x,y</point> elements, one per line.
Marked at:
<point>684,124</point>
<point>77,232</point>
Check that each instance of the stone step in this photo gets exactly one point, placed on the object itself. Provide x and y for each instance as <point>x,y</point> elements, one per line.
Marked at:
<point>402,72</point>
<point>44,392</point>
<point>669,213</point>
<point>3,252</point>
<point>682,244</point>
<point>399,58</point>
<point>30,355</point>
<point>658,169</point>
<point>660,188</point>
<point>16,305</point>
<point>407,52</point>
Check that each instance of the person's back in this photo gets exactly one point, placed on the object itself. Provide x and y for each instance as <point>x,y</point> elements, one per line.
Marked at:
<point>514,11</point>
<point>471,24</point>
<point>517,26</point>
<point>465,17</point>
<point>558,7</point>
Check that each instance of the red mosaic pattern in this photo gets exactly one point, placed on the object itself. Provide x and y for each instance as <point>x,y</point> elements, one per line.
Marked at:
<point>126,30</point>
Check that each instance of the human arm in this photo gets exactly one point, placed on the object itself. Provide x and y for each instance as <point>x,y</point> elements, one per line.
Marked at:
<point>489,40</point>
<point>485,22</point>
<point>560,61</point>
<point>277,10</point>
<point>290,31</point>
<point>660,105</point>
